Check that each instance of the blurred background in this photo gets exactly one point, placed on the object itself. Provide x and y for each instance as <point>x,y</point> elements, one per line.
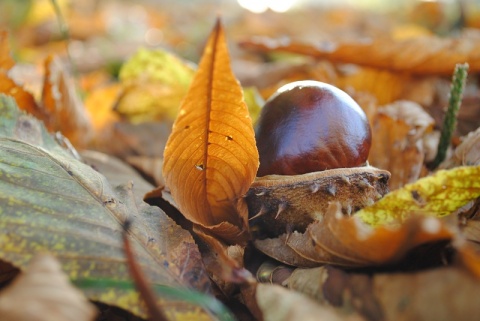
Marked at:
<point>131,94</point>
<point>106,32</point>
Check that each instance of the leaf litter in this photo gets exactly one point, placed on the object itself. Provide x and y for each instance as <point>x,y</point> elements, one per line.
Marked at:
<point>424,223</point>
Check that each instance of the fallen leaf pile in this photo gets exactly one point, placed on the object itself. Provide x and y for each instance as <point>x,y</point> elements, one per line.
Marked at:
<point>169,146</point>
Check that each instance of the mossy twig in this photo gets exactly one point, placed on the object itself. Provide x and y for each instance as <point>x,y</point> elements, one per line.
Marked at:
<point>450,120</point>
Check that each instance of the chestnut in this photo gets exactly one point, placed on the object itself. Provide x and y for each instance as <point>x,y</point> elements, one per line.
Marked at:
<point>310,126</point>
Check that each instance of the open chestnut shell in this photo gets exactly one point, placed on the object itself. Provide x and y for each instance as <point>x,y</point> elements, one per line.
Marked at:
<point>313,140</point>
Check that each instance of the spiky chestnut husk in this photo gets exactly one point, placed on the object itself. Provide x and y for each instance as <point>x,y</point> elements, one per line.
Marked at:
<point>281,203</point>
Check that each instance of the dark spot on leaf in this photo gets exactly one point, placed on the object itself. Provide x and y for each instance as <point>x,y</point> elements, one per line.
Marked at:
<point>417,197</point>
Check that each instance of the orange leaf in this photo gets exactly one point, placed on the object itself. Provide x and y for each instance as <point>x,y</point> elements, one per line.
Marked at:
<point>8,86</point>
<point>66,112</point>
<point>349,239</point>
<point>6,61</point>
<point>210,158</point>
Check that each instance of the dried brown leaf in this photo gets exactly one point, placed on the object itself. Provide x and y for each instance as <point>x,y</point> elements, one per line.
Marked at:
<point>351,239</point>
<point>224,261</point>
<point>279,304</point>
<point>278,249</point>
<point>347,241</point>
<point>424,55</point>
<point>394,296</point>
<point>210,158</point>
<point>43,292</point>
<point>467,153</point>
<point>397,145</point>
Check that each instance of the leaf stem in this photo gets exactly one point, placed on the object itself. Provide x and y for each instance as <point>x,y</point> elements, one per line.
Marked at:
<point>61,21</point>
<point>450,121</point>
<point>156,314</point>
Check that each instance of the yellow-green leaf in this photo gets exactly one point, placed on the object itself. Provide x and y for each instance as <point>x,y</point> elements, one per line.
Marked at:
<point>211,158</point>
<point>439,195</point>
<point>154,83</point>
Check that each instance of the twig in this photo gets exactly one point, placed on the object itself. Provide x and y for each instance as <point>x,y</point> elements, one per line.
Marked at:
<point>450,121</point>
<point>65,33</point>
<point>61,21</point>
<point>155,313</point>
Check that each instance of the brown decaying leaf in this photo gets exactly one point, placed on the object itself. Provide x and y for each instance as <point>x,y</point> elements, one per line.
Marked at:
<point>223,261</point>
<point>65,111</point>
<point>117,172</point>
<point>43,292</point>
<point>278,249</point>
<point>426,55</point>
<point>397,145</point>
<point>210,158</point>
<point>394,296</point>
<point>348,242</point>
<point>181,251</point>
<point>279,304</point>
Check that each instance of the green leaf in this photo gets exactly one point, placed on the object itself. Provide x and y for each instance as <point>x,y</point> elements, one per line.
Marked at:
<point>50,201</point>
<point>438,195</point>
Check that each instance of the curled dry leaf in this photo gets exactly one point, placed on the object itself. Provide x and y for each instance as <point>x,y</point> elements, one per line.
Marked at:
<point>278,249</point>
<point>8,86</point>
<point>42,292</point>
<point>397,145</point>
<point>65,111</point>
<point>425,55</point>
<point>225,262</point>
<point>440,194</point>
<point>210,158</point>
<point>467,153</point>
<point>347,241</point>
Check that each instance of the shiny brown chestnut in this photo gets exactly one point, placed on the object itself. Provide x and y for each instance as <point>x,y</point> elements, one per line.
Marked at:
<point>309,126</point>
